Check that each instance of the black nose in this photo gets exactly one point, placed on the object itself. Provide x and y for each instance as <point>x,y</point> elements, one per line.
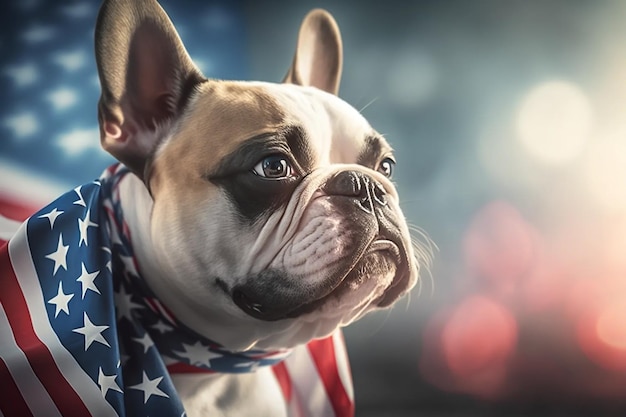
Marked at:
<point>362,187</point>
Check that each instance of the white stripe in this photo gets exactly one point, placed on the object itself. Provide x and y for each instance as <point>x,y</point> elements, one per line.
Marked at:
<point>23,185</point>
<point>89,392</point>
<point>307,384</point>
<point>8,227</point>
<point>343,365</point>
<point>32,390</point>
<point>295,407</point>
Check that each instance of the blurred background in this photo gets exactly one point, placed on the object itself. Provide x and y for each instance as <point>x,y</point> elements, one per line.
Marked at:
<point>508,121</point>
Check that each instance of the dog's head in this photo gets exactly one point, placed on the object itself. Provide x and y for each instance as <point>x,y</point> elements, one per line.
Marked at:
<point>274,220</point>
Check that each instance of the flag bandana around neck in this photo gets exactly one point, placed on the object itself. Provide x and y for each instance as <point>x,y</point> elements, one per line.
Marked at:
<point>79,267</point>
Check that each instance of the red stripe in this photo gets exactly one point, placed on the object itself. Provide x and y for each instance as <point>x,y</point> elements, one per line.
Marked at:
<point>323,353</point>
<point>41,361</point>
<point>11,401</point>
<point>111,169</point>
<point>152,304</point>
<point>15,209</point>
<point>183,368</point>
<point>160,308</point>
<point>284,380</point>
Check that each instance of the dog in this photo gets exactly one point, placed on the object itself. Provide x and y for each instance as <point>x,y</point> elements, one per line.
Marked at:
<point>246,224</point>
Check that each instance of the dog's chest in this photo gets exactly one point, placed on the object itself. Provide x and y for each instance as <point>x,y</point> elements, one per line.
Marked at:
<point>249,394</point>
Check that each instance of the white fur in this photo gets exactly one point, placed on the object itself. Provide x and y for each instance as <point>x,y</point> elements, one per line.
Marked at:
<point>304,238</point>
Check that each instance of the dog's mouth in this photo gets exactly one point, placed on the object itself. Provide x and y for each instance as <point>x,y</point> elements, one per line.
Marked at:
<point>383,257</point>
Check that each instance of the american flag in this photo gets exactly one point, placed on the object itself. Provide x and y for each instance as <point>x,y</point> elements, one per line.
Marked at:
<point>83,335</point>
<point>72,303</point>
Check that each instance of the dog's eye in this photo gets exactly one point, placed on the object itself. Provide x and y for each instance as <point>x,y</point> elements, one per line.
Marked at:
<point>386,167</point>
<point>273,167</point>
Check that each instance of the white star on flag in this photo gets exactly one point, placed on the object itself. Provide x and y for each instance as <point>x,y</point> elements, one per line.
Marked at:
<point>72,60</point>
<point>62,98</point>
<point>51,216</point>
<point>107,382</point>
<point>86,280</point>
<point>24,125</point>
<point>61,301</point>
<point>80,201</point>
<point>124,304</point>
<point>145,341</point>
<point>59,256</point>
<point>251,365</point>
<point>123,359</point>
<point>23,75</point>
<point>78,141</point>
<point>149,387</point>
<point>197,354</point>
<point>161,327</point>
<point>108,265</point>
<point>92,332</point>
<point>129,264</point>
<point>83,225</point>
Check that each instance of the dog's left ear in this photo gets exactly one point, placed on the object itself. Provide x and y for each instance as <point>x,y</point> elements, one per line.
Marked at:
<point>146,77</point>
<point>319,54</point>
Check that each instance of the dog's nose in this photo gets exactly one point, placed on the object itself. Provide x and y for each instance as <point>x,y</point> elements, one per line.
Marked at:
<point>359,185</point>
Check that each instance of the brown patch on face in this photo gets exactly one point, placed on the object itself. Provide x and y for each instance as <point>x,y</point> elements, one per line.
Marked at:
<point>223,115</point>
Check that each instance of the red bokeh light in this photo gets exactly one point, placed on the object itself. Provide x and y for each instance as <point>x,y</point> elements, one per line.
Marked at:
<point>611,325</point>
<point>499,246</point>
<point>479,334</point>
<point>467,347</point>
<point>538,316</point>
<point>601,332</point>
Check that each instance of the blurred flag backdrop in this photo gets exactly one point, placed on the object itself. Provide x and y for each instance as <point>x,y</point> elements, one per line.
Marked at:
<point>49,138</point>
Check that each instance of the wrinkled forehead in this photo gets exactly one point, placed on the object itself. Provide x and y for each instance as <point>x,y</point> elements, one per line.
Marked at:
<point>336,131</point>
<point>228,127</point>
<point>226,119</point>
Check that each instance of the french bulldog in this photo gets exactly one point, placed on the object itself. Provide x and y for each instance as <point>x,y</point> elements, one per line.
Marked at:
<point>261,215</point>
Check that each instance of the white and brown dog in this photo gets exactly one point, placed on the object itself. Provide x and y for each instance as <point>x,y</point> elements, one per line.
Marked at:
<point>261,216</point>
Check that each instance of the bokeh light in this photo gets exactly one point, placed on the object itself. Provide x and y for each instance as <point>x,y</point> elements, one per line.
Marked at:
<point>611,325</point>
<point>605,170</point>
<point>466,347</point>
<point>412,77</point>
<point>554,122</point>
<point>600,334</point>
<point>499,246</point>
<point>481,333</point>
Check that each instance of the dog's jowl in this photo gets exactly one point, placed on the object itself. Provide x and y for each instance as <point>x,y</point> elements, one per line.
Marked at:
<point>210,271</point>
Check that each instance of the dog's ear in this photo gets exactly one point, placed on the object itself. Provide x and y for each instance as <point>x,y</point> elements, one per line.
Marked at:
<point>319,55</point>
<point>146,77</point>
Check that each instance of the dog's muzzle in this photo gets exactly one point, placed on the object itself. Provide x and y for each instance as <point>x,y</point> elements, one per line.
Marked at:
<point>364,204</point>
<point>372,198</point>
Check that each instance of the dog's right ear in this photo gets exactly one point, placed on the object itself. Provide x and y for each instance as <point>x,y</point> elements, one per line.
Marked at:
<point>146,77</point>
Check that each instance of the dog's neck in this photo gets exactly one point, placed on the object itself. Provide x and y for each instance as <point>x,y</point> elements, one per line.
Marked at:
<point>133,250</point>
<point>136,204</point>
